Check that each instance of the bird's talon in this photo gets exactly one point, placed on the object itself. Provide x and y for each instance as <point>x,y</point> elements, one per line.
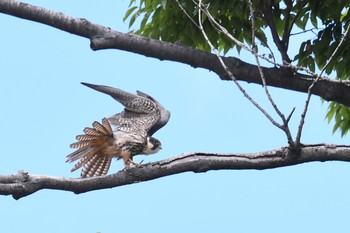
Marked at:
<point>129,162</point>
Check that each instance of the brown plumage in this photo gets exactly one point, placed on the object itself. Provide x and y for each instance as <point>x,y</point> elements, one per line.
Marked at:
<point>130,135</point>
<point>95,141</point>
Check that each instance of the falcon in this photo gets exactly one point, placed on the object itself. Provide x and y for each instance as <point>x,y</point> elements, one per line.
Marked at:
<point>120,136</point>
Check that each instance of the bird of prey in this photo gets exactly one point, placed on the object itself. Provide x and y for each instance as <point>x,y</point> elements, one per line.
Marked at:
<point>122,135</point>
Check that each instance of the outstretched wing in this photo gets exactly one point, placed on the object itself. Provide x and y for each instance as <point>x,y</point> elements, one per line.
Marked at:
<point>141,114</point>
<point>164,114</point>
<point>134,103</point>
<point>94,149</point>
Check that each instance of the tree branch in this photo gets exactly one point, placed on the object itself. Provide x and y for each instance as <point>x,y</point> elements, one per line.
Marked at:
<point>105,38</point>
<point>287,25</point>
<point>285,126</point>
<point>266,8</point>
<point>308,98</point>
<point>23,184</point>
<point>203,8</point>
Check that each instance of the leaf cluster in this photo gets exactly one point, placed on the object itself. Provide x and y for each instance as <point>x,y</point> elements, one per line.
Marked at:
<point>166,20</point>
<point>334,18</point>
<point>175,21</point>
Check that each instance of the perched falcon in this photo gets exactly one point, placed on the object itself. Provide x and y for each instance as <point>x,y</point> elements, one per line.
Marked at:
<point>122,135</point>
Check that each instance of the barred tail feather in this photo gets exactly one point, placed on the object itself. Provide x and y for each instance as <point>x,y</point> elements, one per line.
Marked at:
<point>97,166</point>
<point>107,126</point>
<point>91,131</point>
<point>85,137</point>
<point>100,128</point>
<point>90,150</point>
<point>83,154</point>
<point>80,145</point>
<point>89,166</point>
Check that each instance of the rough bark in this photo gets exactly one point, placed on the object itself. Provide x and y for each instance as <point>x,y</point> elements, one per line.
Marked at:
<point>106,38</point>
<point>23,184</point>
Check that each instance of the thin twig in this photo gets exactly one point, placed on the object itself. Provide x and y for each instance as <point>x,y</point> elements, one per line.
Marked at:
<point>285,122</point>
<point>224,31</point>
<point>285,65</point>
<point>185,12</point>
<point>303,115</point>
<point>305,31</point>
<point>272,54</point>
<point>200,8</point>
<point>290,115</point>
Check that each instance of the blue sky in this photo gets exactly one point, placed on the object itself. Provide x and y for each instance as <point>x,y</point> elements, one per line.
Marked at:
<point>43,106</point>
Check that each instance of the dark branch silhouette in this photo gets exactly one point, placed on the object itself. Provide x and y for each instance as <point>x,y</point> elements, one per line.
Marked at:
<point>106,38</point>
<point>23,184</point>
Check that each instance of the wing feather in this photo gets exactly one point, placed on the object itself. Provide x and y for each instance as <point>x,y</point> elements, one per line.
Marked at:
<point>133,103</point>
<point>142,112</point>
<point>164,114</point>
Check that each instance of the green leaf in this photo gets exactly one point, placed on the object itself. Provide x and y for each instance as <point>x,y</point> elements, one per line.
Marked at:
<point>128,12</point>
<point>279,26</point>
<point>341,116</point>
<point>132,19</point>
<point>314,20</point>
<point>144,21</point>
<point>310,63</point>
<point>301,23</point>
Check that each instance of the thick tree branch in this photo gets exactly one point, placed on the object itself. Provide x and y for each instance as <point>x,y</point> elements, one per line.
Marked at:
<point>105,38</point>
<point>23,184</point>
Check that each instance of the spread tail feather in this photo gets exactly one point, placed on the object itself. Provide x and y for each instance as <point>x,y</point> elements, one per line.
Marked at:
<point>90,150</point>
<point>97,166</point>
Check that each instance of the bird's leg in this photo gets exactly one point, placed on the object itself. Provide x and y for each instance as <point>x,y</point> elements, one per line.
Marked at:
<point>129,164</point>
<point>128,159</point>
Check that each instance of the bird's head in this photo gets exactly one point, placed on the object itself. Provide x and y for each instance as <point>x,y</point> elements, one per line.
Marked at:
<point>153,146</point>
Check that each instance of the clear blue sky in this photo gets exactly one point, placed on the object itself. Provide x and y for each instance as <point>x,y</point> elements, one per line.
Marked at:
<point>43,106</point>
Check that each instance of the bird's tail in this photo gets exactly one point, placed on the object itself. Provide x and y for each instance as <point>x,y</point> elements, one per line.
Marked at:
<point>89,148</point>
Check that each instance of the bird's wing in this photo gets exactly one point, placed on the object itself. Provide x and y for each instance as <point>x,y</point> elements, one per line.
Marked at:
<point>133,103</point>
<point>139,125</point>
<point>164,114</point>
<point>142,114</point>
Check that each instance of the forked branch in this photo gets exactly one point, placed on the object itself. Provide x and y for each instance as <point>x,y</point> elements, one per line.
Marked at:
<point>285,121</point>
<point>284,127</point>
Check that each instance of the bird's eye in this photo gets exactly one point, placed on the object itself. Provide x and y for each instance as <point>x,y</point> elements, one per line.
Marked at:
<point>155,146</point>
